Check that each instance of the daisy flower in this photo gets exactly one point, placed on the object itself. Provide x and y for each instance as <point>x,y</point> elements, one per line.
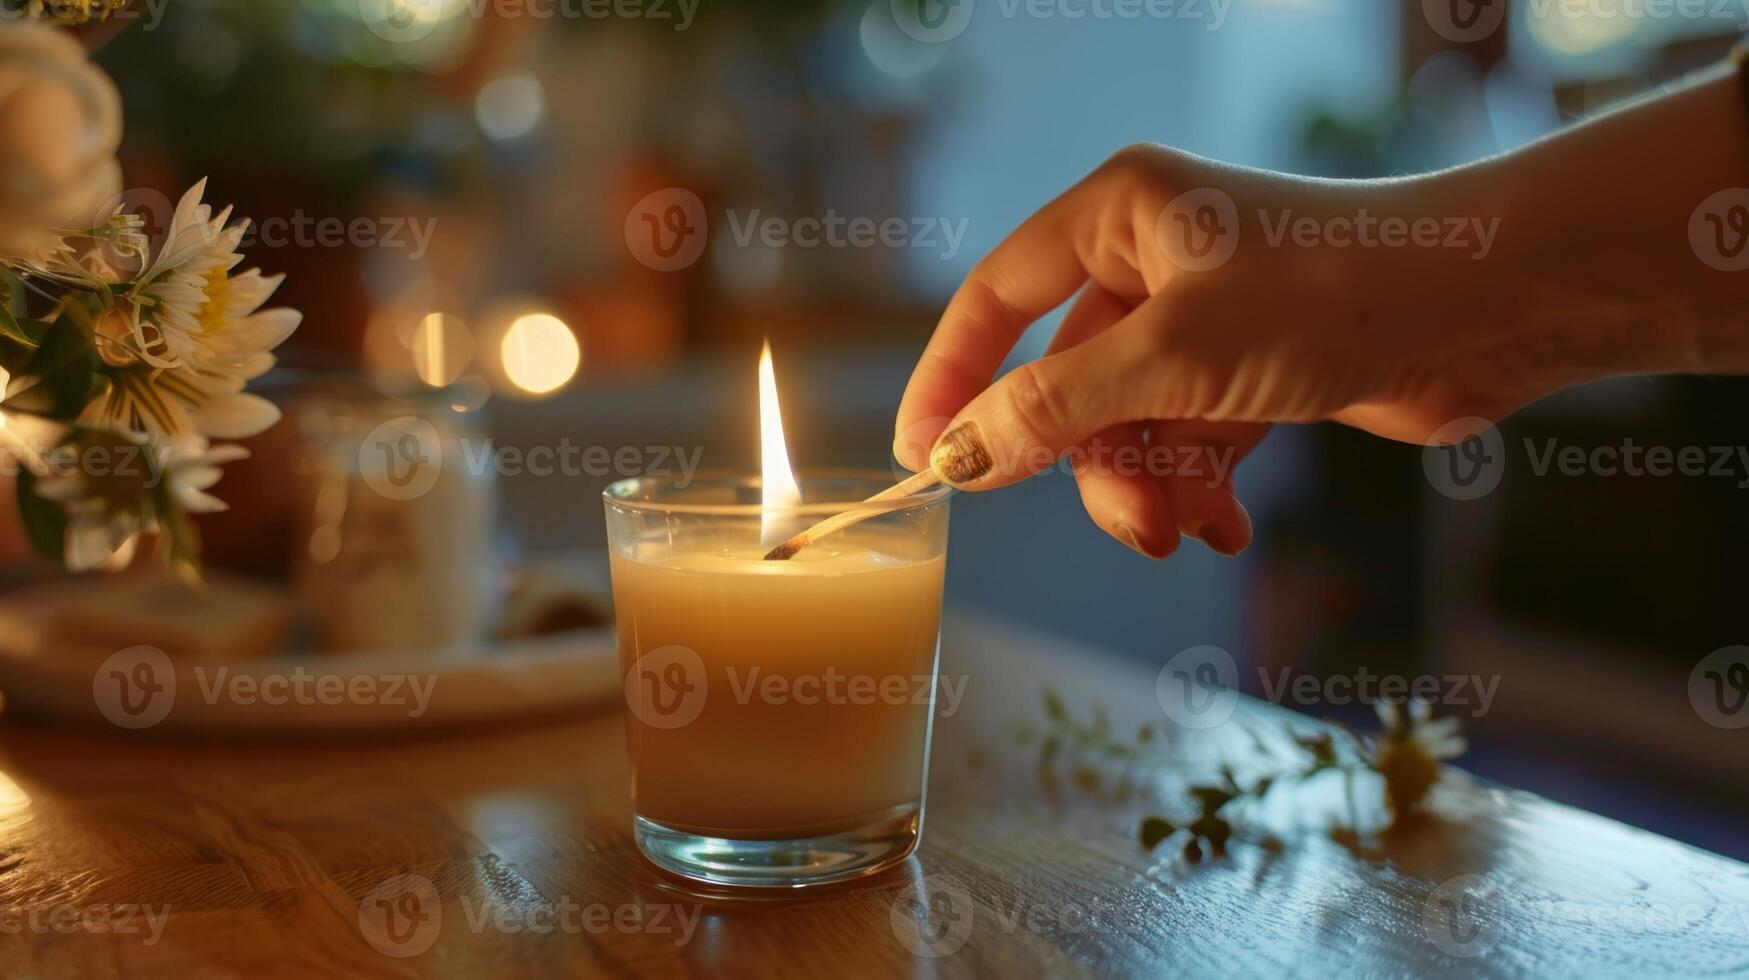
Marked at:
<point>1409,751</point>
<point>190,334</point>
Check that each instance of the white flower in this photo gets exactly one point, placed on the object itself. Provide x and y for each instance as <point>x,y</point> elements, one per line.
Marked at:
<point>198,332</point>
<point>1409,752</point>
<point>108,508</point>
<point>202,314</point>
<point>60,124</point>
<point>184,401</point>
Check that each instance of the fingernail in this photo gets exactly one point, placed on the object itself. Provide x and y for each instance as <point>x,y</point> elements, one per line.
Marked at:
<point>1213,537</point>
<point>960,455</point>
<point>1127,535</point>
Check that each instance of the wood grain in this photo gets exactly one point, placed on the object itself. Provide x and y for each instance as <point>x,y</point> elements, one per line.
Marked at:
<point>508,852</point>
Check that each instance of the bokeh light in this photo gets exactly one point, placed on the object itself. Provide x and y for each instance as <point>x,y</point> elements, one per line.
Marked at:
<point>510,107</point>
<point>540,353</point>
<point>442,347</point>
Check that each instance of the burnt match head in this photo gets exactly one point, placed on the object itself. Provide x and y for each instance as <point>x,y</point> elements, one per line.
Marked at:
<point>787,550</point>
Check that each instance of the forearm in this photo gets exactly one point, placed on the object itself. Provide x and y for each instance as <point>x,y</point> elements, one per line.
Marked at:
<point>1595,247</point>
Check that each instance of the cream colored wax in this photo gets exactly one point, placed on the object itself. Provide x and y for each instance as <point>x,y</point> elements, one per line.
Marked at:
<point>819,673</point>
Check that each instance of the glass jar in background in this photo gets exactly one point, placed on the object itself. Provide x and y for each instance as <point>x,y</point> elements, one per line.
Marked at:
<point>395,543</point>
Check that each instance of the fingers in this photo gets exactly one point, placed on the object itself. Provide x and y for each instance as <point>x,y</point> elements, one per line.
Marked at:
<point>1125,501</point>
<point>1094,310</point>
<point>1031,273</point>
<point>1020,425</point>
<point>1199,485</point>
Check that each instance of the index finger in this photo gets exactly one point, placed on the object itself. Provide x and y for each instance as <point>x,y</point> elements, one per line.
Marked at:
<point>1086,232</point>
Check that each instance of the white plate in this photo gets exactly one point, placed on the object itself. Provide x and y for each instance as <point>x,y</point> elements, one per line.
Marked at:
<point>142,689</point>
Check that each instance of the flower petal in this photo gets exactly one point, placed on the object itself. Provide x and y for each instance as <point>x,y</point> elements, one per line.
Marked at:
<point>236,416</point>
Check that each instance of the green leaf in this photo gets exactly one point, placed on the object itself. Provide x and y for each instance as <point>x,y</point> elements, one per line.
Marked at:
<point>27,332</point>
<point>1047,752</point>
<point>1214,830</point>
<point>1054,709</point>
<point>64,369</point>
<point>44,521</point>
<point>1154,830</point>
<point>178,535</point>
<point>1211,798</point>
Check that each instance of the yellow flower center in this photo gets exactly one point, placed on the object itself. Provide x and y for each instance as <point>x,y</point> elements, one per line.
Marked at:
<point>1409,773</point>
<point>211,315</point>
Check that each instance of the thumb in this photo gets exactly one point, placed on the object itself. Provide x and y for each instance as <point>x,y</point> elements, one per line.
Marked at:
<point>1019,426</point>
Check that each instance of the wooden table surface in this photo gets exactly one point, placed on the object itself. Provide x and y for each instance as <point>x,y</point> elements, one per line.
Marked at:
<point>508,852</point>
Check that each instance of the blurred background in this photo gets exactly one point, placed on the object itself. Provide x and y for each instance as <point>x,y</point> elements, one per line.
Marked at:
<point>528,138</point>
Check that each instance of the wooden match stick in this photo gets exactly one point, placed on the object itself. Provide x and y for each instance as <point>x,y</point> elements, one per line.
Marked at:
<point>915,483</point>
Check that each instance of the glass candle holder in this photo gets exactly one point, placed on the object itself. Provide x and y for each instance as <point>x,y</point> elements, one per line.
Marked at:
<point>777,712</point>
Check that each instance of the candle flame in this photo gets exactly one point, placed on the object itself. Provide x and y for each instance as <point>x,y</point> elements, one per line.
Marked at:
<point>778,489</point>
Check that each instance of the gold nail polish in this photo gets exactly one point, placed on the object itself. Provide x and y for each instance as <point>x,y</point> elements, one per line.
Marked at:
<point>960,455</point>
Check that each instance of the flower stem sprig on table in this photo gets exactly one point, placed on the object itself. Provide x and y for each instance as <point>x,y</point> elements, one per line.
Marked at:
<point>1407,755</point>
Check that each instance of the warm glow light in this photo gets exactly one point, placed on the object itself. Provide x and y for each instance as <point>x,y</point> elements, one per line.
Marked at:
<point>441,348</point>
<point>778,490</point>
<point>540,353</point>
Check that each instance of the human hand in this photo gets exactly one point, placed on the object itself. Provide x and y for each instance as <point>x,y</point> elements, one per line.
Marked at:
<point>1202,317</point>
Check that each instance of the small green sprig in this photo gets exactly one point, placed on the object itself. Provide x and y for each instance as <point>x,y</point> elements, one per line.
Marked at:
<point>1406,756</point>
